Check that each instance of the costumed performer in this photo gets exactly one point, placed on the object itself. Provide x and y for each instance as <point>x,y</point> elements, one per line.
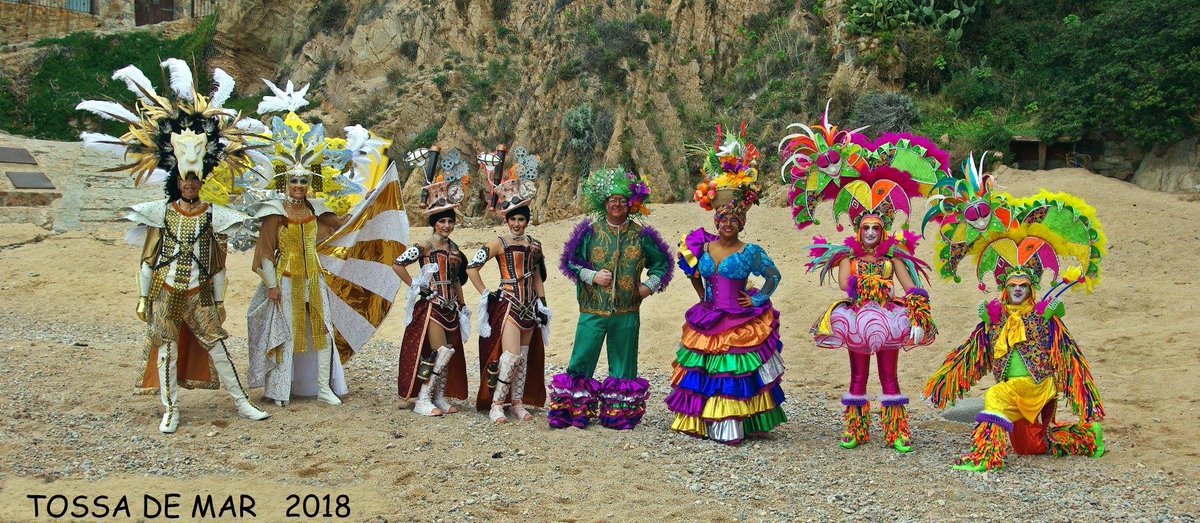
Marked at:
<point>180,138</point>
<point>728,369</point>
<point>511,346</point>
<point>293,321</point>
<point>869,182</point>
<point>437,323</point>
<point>1021,339</point>
<point>606,260</point>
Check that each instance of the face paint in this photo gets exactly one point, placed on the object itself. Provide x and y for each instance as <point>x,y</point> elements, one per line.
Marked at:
<point>1018,292</point>
<point>870,232</point>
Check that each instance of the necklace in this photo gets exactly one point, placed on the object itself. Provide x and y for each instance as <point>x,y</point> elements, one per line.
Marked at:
<point>190,201</point>
<point>516,238</point>
<point>293,201</point>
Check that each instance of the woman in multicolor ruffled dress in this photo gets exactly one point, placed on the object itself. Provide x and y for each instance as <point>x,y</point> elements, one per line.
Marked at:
<point>728,369</point>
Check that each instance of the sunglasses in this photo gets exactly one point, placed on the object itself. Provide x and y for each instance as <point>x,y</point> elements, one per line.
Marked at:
<point>298,181</point>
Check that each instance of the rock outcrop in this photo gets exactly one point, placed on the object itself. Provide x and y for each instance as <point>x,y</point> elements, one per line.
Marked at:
<point>479,73</point>
<point>1176,170</point>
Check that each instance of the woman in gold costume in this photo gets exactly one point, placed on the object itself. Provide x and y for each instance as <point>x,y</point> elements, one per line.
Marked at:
<point>291,341</point>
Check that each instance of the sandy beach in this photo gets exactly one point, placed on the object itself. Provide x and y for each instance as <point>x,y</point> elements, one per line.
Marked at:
<point>69,344</point>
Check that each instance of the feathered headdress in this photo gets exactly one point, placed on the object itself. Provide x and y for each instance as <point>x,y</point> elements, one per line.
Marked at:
<point>1050,228</point>
<point>967,207</point>
<point>156,118</point>
<point>339,168</point>
<point>818,162</point>
<point>613,181</point>
<point>730,172</point>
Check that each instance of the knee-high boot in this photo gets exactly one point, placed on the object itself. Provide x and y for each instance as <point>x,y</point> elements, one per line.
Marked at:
<point>508,361</point>
<point>989,443</point>
<point>168,386</point>
<point>858,420</point>
<point>229,380</point>
<point>439,376</point>
<point>324,375</point>
<point>518,386</point>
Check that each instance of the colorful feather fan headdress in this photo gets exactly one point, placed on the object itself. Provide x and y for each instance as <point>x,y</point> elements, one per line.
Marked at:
<point>818,163</point>
<point>967,208</point>
<point>1051,228</point>
<point>157,118</point>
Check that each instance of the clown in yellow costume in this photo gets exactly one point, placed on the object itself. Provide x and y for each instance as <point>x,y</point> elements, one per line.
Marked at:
<point>1022,340</point>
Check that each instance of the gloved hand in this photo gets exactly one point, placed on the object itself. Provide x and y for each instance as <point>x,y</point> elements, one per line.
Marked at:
<point>918,334</point>
<point>143,309</point>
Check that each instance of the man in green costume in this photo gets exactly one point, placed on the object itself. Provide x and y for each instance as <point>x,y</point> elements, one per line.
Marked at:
<point>606,260</point>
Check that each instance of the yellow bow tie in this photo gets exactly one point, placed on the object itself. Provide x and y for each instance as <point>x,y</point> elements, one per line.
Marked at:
<point>1013,331</point>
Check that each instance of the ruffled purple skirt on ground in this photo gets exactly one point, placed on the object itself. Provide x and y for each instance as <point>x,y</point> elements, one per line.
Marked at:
<point>573,401</point>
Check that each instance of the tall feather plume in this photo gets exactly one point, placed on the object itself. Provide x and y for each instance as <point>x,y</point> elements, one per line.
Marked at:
<point>137,82</point>
<point>224,88</point>
<point>182,81</point>
<point>287,99</point>
<point>108,110</point>
<point>104,143</point>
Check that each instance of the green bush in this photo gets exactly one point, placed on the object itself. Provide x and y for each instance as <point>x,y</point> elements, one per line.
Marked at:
<point>969,91</point>
<point>79,66</point>
<point>885,113</point>
<point>1126,67</point>
<point>427,137</point>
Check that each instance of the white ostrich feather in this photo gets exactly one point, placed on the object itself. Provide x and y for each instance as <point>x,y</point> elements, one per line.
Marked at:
<point>287,99</point>
<point>251,125</point>
<point>157,177</point>
<point>104,143</point>
<point>133,78</point>
<point>224,88</point>
<point>108,110</point>
<point>181,78</point>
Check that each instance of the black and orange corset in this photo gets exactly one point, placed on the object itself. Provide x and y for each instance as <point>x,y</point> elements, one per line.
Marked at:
<point>451,265</point>
<point>519,265</point>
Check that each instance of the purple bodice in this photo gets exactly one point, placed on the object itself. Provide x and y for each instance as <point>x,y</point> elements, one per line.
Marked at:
<point>726,291</point>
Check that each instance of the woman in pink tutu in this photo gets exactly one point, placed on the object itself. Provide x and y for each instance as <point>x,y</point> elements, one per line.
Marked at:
<point>869,182</point>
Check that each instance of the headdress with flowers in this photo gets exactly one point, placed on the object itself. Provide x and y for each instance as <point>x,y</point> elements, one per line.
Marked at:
<point>338,168</point>
<point>615,181</point>
<point>730,172</point>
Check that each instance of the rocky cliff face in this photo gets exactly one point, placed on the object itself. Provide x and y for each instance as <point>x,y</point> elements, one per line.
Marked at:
<point>581,83</point>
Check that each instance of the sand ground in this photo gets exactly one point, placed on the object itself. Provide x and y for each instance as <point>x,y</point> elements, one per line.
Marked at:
<point>69,343</point>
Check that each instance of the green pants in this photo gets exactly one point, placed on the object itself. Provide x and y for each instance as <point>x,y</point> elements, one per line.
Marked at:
<point>622,333</point>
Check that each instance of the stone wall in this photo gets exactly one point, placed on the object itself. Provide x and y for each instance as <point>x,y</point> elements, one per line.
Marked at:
<point>21,22</point>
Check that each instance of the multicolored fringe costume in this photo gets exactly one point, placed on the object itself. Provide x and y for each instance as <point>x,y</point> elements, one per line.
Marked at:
<point>728,368</point>
<point>1022,341</point>
<point>626,250</point>
<point>869,181</point>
